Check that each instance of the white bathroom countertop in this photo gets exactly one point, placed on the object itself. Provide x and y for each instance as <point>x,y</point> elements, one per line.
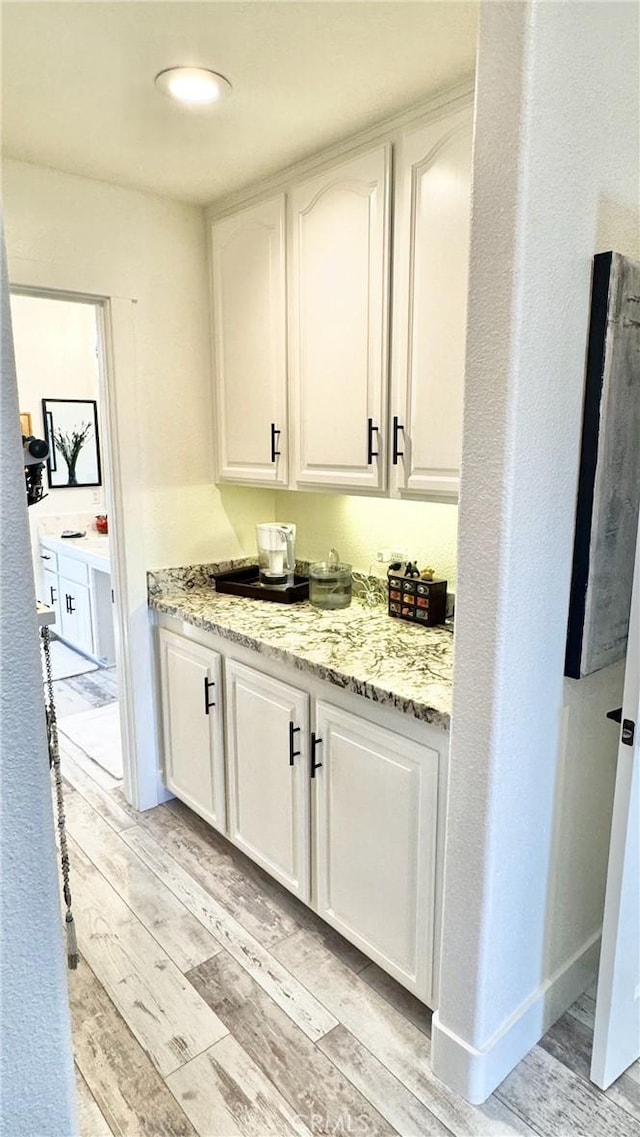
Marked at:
<point>93,548</point>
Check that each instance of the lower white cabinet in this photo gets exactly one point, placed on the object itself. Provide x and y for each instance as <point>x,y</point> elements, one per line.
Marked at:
<point>341,810</point>
<point>375,841</point>
<point>267,765</point>
<point>76,583</point>
<point>192,725</point>
<point>75,614</point>
<point>51,594</point>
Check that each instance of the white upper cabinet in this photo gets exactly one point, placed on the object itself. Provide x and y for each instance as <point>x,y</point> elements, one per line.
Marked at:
<point>338,323</point>
<point>431,255</point>
<point>249,344</point>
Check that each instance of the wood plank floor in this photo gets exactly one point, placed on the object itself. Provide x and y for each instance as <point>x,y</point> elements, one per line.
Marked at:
<point>210,1003</point>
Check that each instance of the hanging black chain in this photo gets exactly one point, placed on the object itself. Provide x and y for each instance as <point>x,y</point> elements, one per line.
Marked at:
<point>54,764</point>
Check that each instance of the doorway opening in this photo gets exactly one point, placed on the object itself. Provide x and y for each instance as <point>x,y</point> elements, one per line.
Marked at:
<point>60,363</point>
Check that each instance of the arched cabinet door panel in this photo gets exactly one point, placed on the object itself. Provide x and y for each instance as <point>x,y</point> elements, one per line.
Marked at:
<point>339,312</point>
<point>250,344</point>
<point>431,263</point>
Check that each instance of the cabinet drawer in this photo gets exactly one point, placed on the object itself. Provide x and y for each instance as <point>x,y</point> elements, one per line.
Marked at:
<point>49,559</point>
<point>73,569</point>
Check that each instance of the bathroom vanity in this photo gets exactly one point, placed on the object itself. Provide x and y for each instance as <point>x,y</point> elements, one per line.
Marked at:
<point>76,583</point>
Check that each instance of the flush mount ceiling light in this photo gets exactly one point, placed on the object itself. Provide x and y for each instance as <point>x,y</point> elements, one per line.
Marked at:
<point>194,86</point>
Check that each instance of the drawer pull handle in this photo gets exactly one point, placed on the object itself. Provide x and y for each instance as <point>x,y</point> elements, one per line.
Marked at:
<point>45,557</point>
<point>275,437</point>
<point>315,742</point>
<point>397,427</point>
<point>371,430</point>
<point>293,753</point>
<point>208,705</point>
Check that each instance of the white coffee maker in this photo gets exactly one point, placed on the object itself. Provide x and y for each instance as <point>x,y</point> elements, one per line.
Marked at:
<point>276,553</point>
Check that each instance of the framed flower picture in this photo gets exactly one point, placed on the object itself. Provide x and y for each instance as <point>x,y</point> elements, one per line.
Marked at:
<point>71,430</point>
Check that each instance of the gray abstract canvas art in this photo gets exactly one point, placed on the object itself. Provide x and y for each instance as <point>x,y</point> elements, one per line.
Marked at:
<point>609,482</point>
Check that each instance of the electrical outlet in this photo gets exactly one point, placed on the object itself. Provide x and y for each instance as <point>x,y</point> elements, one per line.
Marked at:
<point>388,556</point>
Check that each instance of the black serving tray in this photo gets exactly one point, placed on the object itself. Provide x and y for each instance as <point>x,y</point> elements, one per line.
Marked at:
<point>246,582</point>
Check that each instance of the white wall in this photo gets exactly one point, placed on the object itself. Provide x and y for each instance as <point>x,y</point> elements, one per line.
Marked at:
<point>55,344</point>
<point>148,255</point>
<point>36,1080</point>
<point>359,526</point>
<point>152,250</point>
<point>556,171</point>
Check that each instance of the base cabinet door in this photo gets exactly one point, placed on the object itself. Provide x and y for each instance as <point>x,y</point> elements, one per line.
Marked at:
<point>268,772</point>
<point>191,678</point>
<point>75,614</point>
<point>375,803</point>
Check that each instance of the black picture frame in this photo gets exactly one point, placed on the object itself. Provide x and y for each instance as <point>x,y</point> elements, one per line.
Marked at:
<point>68,415</point>
<point>609,476</point>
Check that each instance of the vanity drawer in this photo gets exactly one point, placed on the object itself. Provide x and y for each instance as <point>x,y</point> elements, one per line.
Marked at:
<point>73,569</point>
<point>49,559</point>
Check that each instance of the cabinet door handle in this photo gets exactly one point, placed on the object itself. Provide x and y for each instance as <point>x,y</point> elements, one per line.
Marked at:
<point>208,705</point>
<point>293,753</point>
<point>275,435</point>
<point>70,600</point>
<point>53,594</point>
<point>315,742</point>
<point>397,427</point>
<point>45,557</point>
<point>371,430</point>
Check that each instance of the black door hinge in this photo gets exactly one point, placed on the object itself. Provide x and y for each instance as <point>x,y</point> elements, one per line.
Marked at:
<point>628,732</point>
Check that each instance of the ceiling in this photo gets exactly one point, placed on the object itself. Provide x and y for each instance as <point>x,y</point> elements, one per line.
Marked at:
<point>78,94</point>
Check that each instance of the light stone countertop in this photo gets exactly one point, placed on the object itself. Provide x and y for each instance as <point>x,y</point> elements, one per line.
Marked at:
<point>359,648</point>
<point>94,547</point>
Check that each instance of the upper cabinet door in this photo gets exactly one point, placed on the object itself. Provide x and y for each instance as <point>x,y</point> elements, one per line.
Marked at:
<point>339,308</point>
<point>431,258</point>
<point>249,344</point>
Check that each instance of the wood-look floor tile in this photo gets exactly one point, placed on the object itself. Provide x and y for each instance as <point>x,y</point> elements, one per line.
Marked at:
<point>214,868</point>
<point>165,1013</point>
<point>98,688</point>
<point>91,1120</point>
<point>559,1103</point>
<point>68,701</point>
<point>379,1086</point>
<point>293,997</point>
<point>403,1001</point>
<point>570,1041</point>
<point>391,1038</point>
<point>325,1101</point>
<point>584,1010</point>
<point>223,1092</point>
<point>182,936</point>
<point>117,816</point>
<point>125,1085</point>
<point>258,902</point>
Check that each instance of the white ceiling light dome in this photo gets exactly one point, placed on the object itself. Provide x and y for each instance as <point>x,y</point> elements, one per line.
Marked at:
<point>194,86</point>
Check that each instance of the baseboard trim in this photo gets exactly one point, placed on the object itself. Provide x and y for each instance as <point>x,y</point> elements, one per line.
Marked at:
<point>473,1073</point>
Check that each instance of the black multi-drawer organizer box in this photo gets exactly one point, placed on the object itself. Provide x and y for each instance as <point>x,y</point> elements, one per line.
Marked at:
<point>418,601</point>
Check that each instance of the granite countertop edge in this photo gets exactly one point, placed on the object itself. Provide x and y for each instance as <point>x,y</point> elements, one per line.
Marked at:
<point>174,605</point>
